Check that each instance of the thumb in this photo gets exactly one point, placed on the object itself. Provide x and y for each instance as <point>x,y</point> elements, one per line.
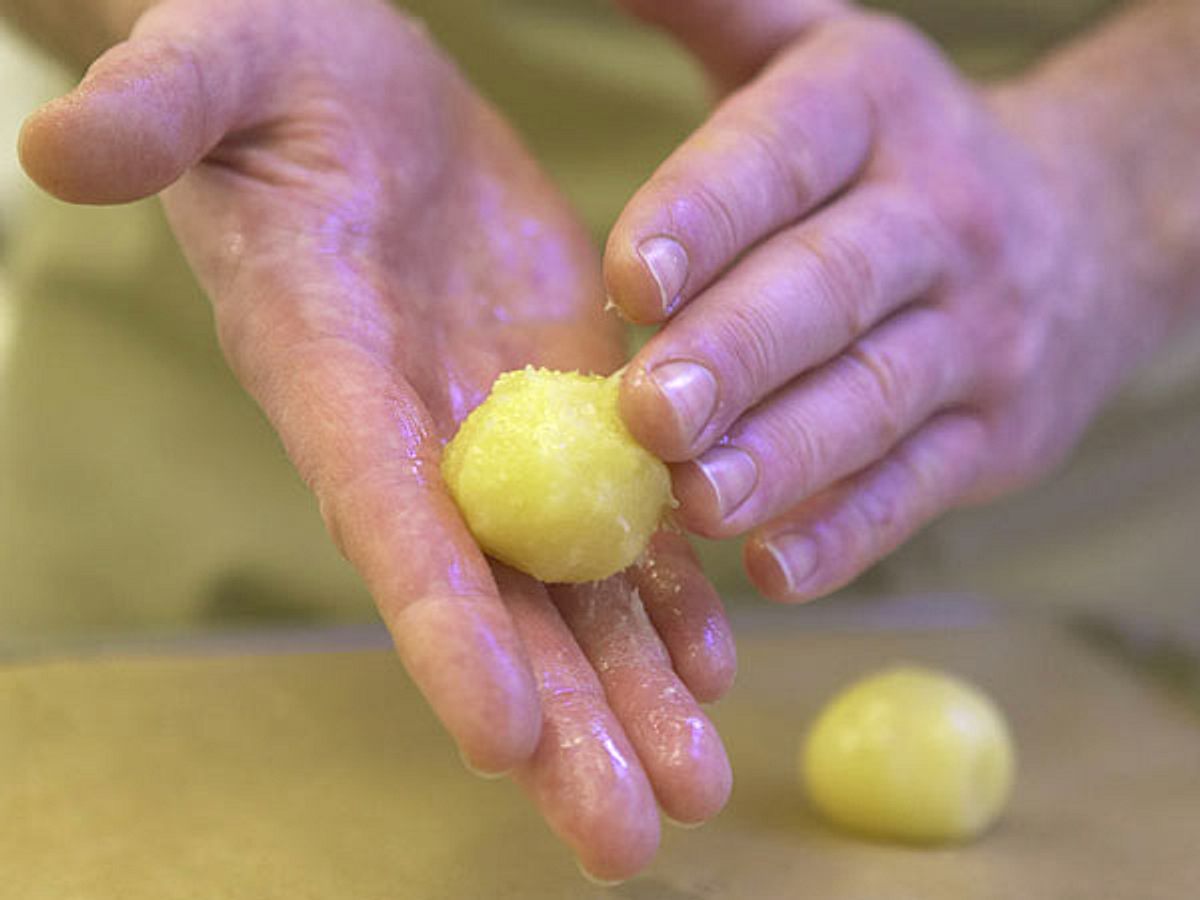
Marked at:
<point>733,39</point>
<point>151,106</point>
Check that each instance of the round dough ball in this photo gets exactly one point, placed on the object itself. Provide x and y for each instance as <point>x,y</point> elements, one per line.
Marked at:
<point>911,754</point>
<point>550,481</point>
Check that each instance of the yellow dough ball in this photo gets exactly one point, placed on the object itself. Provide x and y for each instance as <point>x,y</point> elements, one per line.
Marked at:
<point>549,479</point>
<point>910,754</point>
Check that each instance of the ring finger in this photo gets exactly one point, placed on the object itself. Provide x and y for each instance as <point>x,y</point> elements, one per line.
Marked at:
<point>675,742</point>
<point>826,425</point>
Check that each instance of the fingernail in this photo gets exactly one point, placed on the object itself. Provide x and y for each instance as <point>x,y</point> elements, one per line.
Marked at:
<point>595,879</point>
<point>732,474</point>
<point>692,392</point>
<point>686,826</point>
<point>490,776</point>
<point>796,556</point>
<point>668,263</point>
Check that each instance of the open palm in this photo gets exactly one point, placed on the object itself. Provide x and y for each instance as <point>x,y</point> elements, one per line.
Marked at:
<point>378,247</point>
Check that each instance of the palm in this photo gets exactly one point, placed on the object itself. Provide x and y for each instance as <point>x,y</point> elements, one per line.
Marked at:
<point>418,225</point>
<point>378,247</point>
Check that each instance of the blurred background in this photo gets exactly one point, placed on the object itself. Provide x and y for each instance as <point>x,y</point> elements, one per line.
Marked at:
<point>27,78</point>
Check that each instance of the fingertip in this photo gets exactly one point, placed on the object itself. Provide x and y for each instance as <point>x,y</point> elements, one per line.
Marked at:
<point>498,747</point>
<point>699,508</point>
<point>685,826</point>
<point>712,669</point>
<point>622,853</point>
<point>641,410</point>
<point>503,732</point>
<point>770,569</point>
<point>495,750</point>
<point>129,130</point>
<point>707,665</point>
<point>478,772</point>
<point>667,429</point>
<point>470,668</point>
<point>596,879</point>
<point>585,777</point>
<point>83,149</point>
<point>702,788</point>
<point>45,147</point>
<point>642,296</point>
<point>588,784</point>
<point>29,147</point>
<point>732,40</point>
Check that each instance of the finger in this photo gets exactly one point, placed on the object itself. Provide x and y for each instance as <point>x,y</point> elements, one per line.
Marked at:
<point>675,741</point>
<point>305,344</point>
<point>825,543</point>
<point>827,425</point>
<point>771,153</point>
<point>732,38</point>
<point>361,439</point>
<point>688,615</point>
<point>584,776</point>
<point>152,106</point>
<point>792,303</point>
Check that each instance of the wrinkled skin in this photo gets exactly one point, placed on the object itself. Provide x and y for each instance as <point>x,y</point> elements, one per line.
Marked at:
<point>378,247</point>
<point>882,295</point>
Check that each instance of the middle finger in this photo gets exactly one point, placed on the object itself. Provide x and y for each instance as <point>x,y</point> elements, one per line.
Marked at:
<point>584,776</point>
<point>676,743</point>
<point>827,424</point>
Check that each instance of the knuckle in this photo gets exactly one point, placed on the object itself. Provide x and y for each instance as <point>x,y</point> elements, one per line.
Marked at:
<point>750,338</point>
<point>892,58</point>
<point>918,473</point>
<point>784,149</point>
<point>974,213</point>
<point>909,218</point>
<point>803,451</point>
<point>173,67</point>
<point>847,277</point>
<point>1016,354</point>
<point>704,212</point>
<point>879,514</point>
<point>173,54</point>
<point>881,377</point>
<point>565,701</point>
<point>1021,449</point>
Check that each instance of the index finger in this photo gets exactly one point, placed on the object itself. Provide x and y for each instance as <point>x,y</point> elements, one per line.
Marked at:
<point>306,347</point>
<point>770,154</point>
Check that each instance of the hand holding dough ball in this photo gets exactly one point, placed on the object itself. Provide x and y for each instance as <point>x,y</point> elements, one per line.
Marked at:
<point>910,754</point>
<point>550,481</point>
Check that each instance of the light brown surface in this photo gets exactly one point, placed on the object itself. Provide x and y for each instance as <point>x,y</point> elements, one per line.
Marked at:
<point>321,775</point>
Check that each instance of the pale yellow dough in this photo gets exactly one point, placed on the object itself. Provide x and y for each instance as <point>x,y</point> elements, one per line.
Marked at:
<point>550,481</point>
<point>910,754</point>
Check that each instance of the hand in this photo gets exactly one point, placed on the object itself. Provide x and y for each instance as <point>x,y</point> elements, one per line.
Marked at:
<point>378,247</point>
<point>882,296</point>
